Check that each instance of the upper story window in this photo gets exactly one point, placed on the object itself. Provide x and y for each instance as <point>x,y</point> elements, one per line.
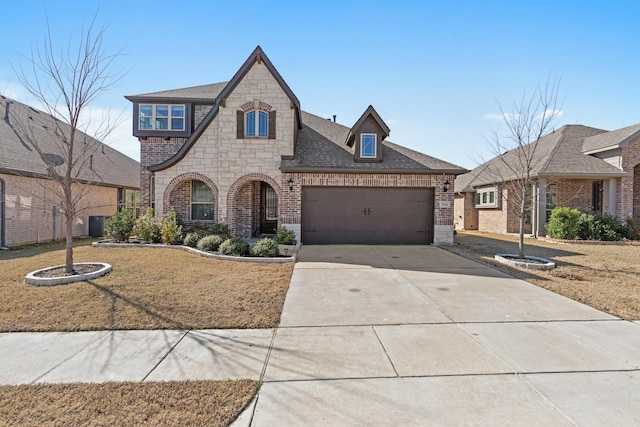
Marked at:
<point>168,117</point>
<point>257,124</point>
<point>368,145</point>
<point>486,198</point>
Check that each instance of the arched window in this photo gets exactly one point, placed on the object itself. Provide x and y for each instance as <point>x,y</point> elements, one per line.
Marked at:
<point>257,124</point>
<point>201,201</point>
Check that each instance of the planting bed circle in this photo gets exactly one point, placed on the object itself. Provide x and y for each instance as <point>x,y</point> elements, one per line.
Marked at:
<point>51,276</point>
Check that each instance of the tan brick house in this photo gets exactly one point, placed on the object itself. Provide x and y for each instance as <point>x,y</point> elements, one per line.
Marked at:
<point>577,166</point>
<point>30,201</point>
<point>244,153</point>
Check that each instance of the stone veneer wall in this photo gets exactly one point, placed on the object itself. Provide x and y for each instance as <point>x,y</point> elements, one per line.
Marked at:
<point>29,206</point>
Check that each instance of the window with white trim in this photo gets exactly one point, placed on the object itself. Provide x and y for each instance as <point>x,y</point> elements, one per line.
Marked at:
<point>201,201</point>
<point>256,124</point>
<point>368,145</point>
<point>487,197</point>
<point>161,117</point>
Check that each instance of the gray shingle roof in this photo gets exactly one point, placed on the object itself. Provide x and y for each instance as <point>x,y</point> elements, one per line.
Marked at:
<point>17,156</point>
<point>321,146</point>
<point>609,140</point>
<point>203,92</point>
<point>556,154</point>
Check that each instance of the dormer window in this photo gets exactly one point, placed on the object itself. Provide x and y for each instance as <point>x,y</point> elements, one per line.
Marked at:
<point>257,124</point>
<point>164,117</point>
<point>368,145</point>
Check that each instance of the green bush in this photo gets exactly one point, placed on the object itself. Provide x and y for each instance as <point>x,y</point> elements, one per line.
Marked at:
<point>234,246</point>
<point>120,226</point>
<point>192,239</point>
<point>207,228</point>
<point>147,229</point>
<point>564,223</point>
<point>285,236</point>
<point>171,228</point>
<point>265,248</point>
<point>632,229</point>
<point>210,243</point>
<point>602,227</point>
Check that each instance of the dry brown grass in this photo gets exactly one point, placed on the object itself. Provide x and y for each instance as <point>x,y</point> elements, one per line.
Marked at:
<point>147,289</point>
<point>605,277</point>
<point>191,403</point>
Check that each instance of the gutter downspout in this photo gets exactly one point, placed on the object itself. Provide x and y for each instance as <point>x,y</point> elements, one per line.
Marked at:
<point>2,215</point>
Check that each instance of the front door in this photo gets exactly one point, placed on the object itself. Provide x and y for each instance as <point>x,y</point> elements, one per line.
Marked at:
<point>268,209</point>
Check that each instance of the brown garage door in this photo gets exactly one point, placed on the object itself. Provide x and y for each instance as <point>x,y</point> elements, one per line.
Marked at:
<point>356,215</point>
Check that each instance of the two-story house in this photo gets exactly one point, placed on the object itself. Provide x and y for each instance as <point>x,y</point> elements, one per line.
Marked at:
<point>244,153</point>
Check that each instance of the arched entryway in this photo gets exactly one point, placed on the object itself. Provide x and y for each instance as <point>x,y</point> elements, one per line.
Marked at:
<point>253,207</point>
<point>193,196</point>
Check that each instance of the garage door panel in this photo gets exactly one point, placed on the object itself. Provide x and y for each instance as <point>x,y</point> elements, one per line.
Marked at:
<point>356,215</point>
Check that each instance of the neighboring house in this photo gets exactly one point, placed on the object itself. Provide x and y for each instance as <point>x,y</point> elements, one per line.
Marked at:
<point>244,153</point>
<point>577,166</point>
<point>29,205</point>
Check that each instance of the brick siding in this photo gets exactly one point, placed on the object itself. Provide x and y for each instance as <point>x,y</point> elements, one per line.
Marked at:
<point>29,204</point>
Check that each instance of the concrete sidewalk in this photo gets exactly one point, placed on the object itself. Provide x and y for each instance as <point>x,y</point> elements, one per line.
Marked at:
<point>384,335</point>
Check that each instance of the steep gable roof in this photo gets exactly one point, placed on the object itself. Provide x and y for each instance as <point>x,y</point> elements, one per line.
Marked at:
<point>555,154</point>
<point>257,56</point>
<point>369,112</point>
<point>17,156</point>
<point>321,148</point>
<point>610,140</point>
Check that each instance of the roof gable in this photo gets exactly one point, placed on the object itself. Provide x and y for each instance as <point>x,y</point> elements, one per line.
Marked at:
<point>370,112</point>
<point>610,140</point>
<point>257,56</point>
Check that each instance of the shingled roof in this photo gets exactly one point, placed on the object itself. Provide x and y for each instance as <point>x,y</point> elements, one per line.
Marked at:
<point>18,157</point>
<point>321,148</point>
<point>610,140</point>
<point>558,154</point>
<point>203,93</point>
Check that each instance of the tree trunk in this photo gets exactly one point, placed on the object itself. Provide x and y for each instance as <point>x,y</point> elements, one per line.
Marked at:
<point>521,236</point>
<point>69,247</point>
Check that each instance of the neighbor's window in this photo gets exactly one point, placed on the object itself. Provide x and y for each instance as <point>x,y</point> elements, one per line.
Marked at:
<point>551,199</point>
<point>257,124</point>
<point>201,201</point>
<point>161,117</point>
<point>487,198</point>
<point>368,145</point>
<point>132,200</point>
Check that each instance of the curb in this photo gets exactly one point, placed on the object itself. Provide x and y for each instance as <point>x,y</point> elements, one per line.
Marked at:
<point>548,265</point>
<point>32,279</point>
<point>261,260</point>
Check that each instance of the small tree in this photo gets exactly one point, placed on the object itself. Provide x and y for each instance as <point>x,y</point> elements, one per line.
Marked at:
<point>516,155</point>
<point>66,81</point>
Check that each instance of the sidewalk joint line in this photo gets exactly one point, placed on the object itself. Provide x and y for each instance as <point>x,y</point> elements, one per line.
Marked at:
<point>165,356</point>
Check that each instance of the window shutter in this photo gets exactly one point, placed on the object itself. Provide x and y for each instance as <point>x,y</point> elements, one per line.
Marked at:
<point>240,124</point>
<point>272,125</point>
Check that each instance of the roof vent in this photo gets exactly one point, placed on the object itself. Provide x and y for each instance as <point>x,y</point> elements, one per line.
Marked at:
<point>6,111</point>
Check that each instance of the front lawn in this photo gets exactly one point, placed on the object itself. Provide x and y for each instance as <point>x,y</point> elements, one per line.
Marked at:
<point>605,277</point>
<point>188,403</point>
<point>147,289</point>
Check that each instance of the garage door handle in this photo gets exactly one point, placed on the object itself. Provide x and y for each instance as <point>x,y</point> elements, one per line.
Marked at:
<point>366,211</point>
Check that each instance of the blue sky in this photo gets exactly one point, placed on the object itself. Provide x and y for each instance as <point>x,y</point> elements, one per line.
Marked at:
<point>434,70</point>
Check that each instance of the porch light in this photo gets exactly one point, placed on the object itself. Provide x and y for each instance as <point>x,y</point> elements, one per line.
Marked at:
<point>445,186</point>
<point>291,183</point>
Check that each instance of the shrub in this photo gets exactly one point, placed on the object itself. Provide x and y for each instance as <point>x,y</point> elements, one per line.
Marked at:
<point>564,223</point>
<point>120,226</point>
<point>210,243</point>
<point>147,229</point>
<point>285,236</point>
<point>234,246</point>
<point>602,227</point>
<point>221,229</point>
<point>207,228</point>
<point>171,228</point>
<point>632,229</point>
<point>265,247</point>
<point>192,239</point>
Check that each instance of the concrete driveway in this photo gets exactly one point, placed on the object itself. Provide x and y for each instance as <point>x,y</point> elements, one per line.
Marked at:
<point>392,335</point>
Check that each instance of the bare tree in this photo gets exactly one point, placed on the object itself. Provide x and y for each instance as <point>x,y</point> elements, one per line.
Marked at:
<point>66,81</point>
<point>516,150</point>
